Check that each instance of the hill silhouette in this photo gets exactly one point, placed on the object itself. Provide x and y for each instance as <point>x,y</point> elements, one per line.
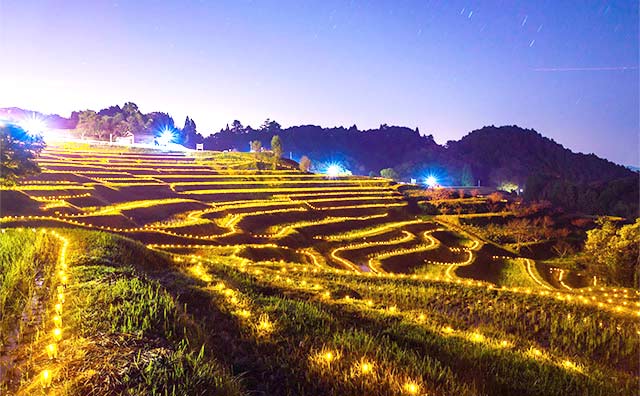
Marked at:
<point>491,156</point>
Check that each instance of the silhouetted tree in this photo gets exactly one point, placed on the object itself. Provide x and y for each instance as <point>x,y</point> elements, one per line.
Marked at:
<point>236,127</point>
<point>611,253</point>
<point>389,173</point>
<point>270,126</point>
<point>18,152</point>
<point>256,145</point>
<point>305,164</point>
<point>276,148</point>
<point>189,134</point>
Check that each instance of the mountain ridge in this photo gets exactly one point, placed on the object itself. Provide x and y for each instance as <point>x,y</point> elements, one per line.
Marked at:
<point>491,156</point>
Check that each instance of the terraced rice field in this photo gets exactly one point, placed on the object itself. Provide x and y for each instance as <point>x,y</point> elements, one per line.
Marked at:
<point>213,274</point>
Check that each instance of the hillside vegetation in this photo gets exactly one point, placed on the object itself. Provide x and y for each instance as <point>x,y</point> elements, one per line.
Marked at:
<point>213,273</point>
<point>508,157</point>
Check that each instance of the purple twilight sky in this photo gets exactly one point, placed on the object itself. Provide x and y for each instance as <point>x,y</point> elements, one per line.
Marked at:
<point>568,69</point>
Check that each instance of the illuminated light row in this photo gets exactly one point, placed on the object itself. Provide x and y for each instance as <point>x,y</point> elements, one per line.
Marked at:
<point>474,336</point>
<point>44,182</point>
<point>235,219</point>
<point>614,290</point>
<point>472,200</point>
<point>264,326</point>
<point>370,232</point>
<point>237,175</point>
<point>560,277</point>
<point>360,182</point>
<point>213,172</point>
<point>362,367</point>
<point>115,229</point>
<point>120,185</point>
<point>449,273</point>
<point>129,205</point>
<point>273,211</point>
<point>128,181</point>
<point>277,190</point>
<point>317,259</point>
<point>375,261</point>
<point>364,206</point>
<point>52,349</point>
<point>218,207</point>
<point>56,204</point>
<point>430,238</point>
<point>195,217</point>
<point>124,169</point>
<point>477,337</point>
<point>358,198</point>
<point>531,271</point>
<point>45,187</point>
<point>88,148</point>
<point>71,172</point>
<point>458,228</point>
<point>125,166</point>
<point>392,276</point>
<point>117,159</point>
<point>475,244</point>
<point>359,194</point>
<point>349,264</point>
<point>58,197</point>
<point>327,357</point>
<point>238,302</point>
<point>182,246</point>
<point>581,299</point>
<point>461,263</point>
<point>283,230</point>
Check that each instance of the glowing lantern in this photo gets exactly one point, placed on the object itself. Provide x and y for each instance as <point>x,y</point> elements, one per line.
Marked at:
<point>264,324</point>
<point>366,368</point>
<point>328,357</point>
<point>411,388</point>
<point>45,378</point>
<point>52,351</point>
<point>477,337</point>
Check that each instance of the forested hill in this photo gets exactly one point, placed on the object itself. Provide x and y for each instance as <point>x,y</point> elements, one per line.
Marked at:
<point>496,154</point>
<point>362,152</point>
<point>491,156</point>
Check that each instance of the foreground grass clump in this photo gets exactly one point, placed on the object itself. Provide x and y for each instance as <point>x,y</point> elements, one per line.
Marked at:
<point>123,333</point>
<point>24,272</point>
<point>139,321</point>
<point>140,330</point>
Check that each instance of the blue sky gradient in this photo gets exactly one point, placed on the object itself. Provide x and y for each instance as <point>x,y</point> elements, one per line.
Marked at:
<point>568,69</point>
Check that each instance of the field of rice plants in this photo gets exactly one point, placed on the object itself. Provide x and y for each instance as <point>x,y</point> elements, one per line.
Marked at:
<point>171,273</point>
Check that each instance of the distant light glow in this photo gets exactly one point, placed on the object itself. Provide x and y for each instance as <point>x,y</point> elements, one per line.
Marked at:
<point>33,125</point>
<point>166,137</point>
<point>431,181</point>
<point>334,170</point>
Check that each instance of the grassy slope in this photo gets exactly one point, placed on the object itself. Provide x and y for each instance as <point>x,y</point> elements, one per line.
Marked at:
<point>123,333</point>
<point>137,321</point>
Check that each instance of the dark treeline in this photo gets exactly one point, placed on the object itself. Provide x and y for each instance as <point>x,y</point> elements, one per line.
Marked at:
<point>492,156</point>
